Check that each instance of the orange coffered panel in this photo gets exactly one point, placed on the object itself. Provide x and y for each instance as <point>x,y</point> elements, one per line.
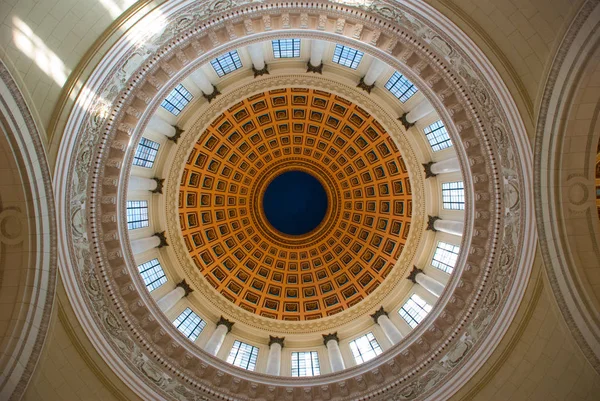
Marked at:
<point>321,272</point>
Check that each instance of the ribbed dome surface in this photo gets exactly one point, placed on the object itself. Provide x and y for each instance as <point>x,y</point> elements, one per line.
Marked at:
<point>295,277</point>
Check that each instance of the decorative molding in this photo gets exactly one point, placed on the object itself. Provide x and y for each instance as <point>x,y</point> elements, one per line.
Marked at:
<point>226,323</point>
<point>159,185</point>
<point>431,221</point>
<point>178,132</point>
<point>405,122</point>
<point>186,287</point>
<point>163,239</point>
<point>379,312</point>
<point>428,172</point>
<point>413,274</point>
<point>263,71</point>
<point>311,68</point>
<point>213,95</point>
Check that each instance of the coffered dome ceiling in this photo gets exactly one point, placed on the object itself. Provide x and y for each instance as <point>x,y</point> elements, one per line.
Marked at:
<point>295,277</point>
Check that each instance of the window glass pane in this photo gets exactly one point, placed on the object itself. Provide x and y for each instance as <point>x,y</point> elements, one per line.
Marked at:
<point>137,214</point>
<point>177,100</point>
<point>226,63</point>
<point>243,355</point>
<point>152,273</point>
<point>305,364</point>
<point>453,195</point>
<point>400,87</point>
<point>347,56</point>
<point>286,48</point>
<point>190,324</point>
<point>437,136</point>
<point>365,348</point>
<point>145,154</point>
<point>414,310</point>
<point>445,256</point>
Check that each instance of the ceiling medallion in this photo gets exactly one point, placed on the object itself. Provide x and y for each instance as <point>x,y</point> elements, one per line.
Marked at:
<point>295,277</point>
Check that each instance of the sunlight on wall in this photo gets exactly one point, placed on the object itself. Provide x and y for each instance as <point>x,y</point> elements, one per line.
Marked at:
<point>114,9</point>
<point>35,48</point>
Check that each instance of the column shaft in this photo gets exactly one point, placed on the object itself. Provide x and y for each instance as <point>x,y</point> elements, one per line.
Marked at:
<point>144,244</point>
<point>257,56</point>
<point>335,356</point>
<point>160,126</point>
<point>449,226</point>
<point>141,184</point>
<point>202,82</point>
<point>216,339</point>
<point>419,111</point>
<point>445,166</point>
<point>389,329</point>
<point>430,284</point>
<point>171,299</point>
<point>274,360</point>
<point>374,71</point>
<point>317,48</point>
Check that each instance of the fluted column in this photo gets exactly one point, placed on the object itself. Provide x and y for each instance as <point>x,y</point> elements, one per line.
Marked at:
<point>181,290</point>
<point>153,185</point>
<point>389,328</point>
<point>453,227</point>
<point>258,59</point>
<point>433,286</point>
<point>202,82</point>
<point>418,112</point>
<point>218,336</point>
<point>450,165</point>
<point>336,360</point>
<point>367,82</point>
<point>160,126</point>
<point>317,48</point>
<point>158,240</point>
<point>274,359</point>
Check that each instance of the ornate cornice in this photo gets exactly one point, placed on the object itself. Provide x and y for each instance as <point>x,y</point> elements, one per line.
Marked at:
<point>469,319</point>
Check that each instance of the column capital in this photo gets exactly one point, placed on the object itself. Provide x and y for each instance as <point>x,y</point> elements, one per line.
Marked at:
<point>159,185</point>
<point>428,172</point>
<point>163,239</point>
<point>178,132</point>
<point>431,221</point>
<point>413,274</point>
<point>312,68</point>
<point>226,323</point>
<point>405,122</point>
<point>260,72</point>
<point>186,287</point>
<point>330,336</point>
<point>362,85</point>
<point>213,94</point>
<point>276,340</point>
<point>379,312</point>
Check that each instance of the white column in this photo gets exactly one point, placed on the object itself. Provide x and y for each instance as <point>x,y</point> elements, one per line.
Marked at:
<point>419,111</point>
<point>389,328</point>
<point>430,284</point>
<point>144,244</point>
<point>317,48</point>
<point>449,226</point>
<point>160,126</point>
<point>257,56</point>
<point>141,184</point>
<point>375,70</point>
<point>445,166</point>
<point>274,359</point>
<point>333,351</point>
<point>200,79</point>
<point>169,300</point>
<point>218,336</point>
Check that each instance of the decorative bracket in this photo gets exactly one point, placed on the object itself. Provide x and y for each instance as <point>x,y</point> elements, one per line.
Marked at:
<point>312,68</point>
<point>263,71</point>
<point>225,323</point>
<point>163,239</point>
<point>405,122</point>
<point>362,85</point>
<point>413,274</point>
<point>159,185</point>
<point>428,172</point>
